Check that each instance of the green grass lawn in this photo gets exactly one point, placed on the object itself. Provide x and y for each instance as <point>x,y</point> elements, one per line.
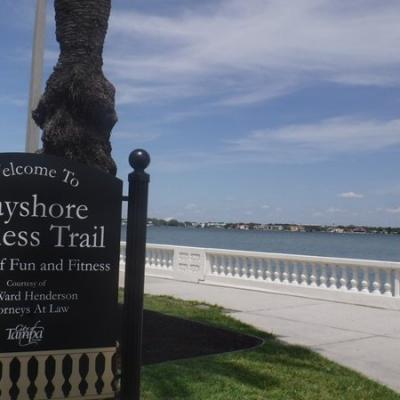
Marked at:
<point>272,371</point>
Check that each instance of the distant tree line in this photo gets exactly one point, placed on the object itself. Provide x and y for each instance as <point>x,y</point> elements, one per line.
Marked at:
<point>277,227</point>
<point>165,222</point>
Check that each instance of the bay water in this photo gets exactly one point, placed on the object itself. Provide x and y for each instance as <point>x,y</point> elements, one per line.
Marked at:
<point>365,246</point>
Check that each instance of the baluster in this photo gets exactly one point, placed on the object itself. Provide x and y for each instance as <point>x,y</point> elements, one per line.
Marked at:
<point>220,265</point>
<point>295,273</point>
<point>216,264</point>
<point>122,255</point>
<point>163,260</point>
<point>171,261</point>
<point>354,281</point>
<point>160,258</point>
<point>365,281</point>
<point>167,259</point>
<point>23,381</point>
<point>303,276</point>
<point>58,379</point>
<point>156,259</point>
<point>91,377</point>
<point>332,278</point>
<point>231,262</point>
<point>146,263</point>
<point>213,263</point>
<point>377,283</point>
<point>41,381</point>
<point>236,269</point>
<point>245,270</point>
<point>344,278</point>
<point>5,380</point>
<point>229,266</point>
<point>285,274</point>
<point>152,259</point>
<point>148,258</point>
<point>387,289</point>
<point>223,271</point>
<point>75,378</point>
<point>277,272</point>
<point>260,269</point>
<point>313,277</point>
<point>396,292</point>
<point>322,278</point>
<point>252,268</point>
<point>247,267</point>
<point>224,265</point>
<point>108,374</point>
<point>268,272</point>
<point>122,258</point>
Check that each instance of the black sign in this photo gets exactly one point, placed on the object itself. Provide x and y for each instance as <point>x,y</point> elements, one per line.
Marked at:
<point>59,254</point>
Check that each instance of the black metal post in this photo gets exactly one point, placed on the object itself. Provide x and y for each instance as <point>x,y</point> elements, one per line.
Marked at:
<point>131,343</point>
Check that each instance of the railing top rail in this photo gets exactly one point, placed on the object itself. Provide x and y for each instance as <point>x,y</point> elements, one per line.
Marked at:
<point>58,352</point>
<point>288,257</point>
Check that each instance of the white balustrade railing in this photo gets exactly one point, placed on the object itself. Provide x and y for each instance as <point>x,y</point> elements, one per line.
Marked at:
<point>46,375</point>
<point>357,281</point>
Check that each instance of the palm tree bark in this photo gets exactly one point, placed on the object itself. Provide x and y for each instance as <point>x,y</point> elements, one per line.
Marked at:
<point>77,109</point>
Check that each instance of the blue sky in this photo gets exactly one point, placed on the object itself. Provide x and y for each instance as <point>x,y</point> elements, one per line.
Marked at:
<point>256,110</point>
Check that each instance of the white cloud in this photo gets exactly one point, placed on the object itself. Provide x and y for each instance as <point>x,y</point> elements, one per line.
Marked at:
<point>318,141</point>
<point>395,210</point>
<point>14,101</point>
<point>139,93</point>
<point>254,95</point>
<point>176,116</point>
<point>253,50</point>
<point>351,195</point>
<point>292,144</point>
<point>265,206</point>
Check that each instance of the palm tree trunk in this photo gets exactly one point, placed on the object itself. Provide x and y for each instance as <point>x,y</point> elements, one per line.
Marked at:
<point>77,109</point>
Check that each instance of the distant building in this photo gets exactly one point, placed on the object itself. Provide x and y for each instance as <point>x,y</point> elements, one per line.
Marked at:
<point>216,224</point>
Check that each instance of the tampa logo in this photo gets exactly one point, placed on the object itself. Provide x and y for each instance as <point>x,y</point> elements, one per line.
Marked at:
<point>26,336</point>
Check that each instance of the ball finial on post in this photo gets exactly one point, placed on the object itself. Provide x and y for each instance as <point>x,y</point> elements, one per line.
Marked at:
<point>139,160</point>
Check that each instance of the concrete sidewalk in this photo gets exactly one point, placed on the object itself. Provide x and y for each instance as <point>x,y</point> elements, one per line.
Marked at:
<point>362,338</point>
